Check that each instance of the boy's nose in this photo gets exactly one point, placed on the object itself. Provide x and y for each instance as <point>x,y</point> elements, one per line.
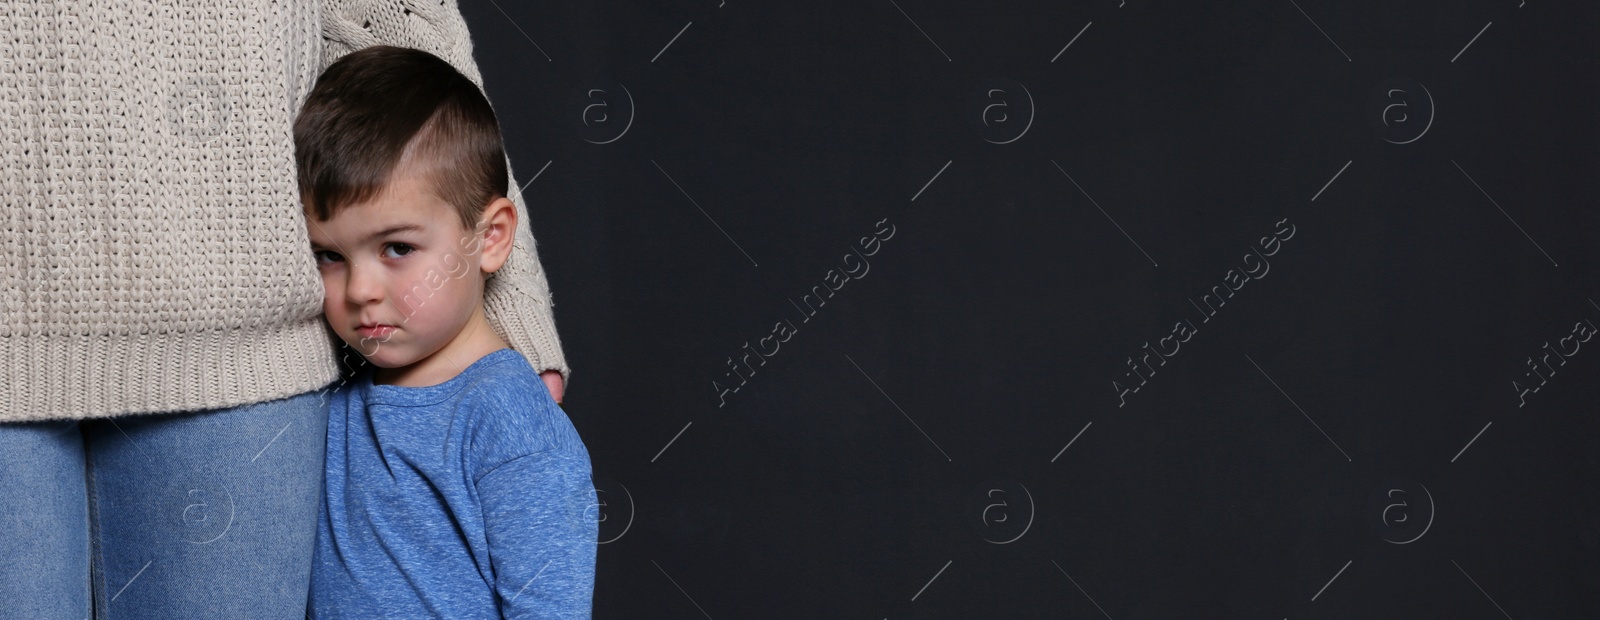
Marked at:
<point>363,287</point>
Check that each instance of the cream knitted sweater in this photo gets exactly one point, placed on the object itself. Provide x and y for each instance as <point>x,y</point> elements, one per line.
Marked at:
<point>155,254</point>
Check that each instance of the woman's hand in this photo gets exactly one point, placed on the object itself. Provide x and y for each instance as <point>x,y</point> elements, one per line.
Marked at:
<point>552,380</point>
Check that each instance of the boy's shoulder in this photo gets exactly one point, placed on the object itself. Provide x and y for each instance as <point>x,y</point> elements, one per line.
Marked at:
<point>502,375</point>
<point>510,413</point>
<point>504,385</point>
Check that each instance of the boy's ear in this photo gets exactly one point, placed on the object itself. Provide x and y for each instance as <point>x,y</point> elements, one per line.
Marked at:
<point>499,226</point>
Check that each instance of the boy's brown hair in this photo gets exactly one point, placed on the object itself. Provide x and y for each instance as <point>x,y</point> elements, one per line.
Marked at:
<point>370,106</point>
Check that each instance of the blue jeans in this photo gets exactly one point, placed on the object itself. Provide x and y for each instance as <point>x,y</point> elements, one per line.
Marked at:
<point>203,514</point>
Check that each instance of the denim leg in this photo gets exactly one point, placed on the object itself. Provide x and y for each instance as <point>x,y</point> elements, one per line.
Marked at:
<point>208,514</point>
<point>44,524</point>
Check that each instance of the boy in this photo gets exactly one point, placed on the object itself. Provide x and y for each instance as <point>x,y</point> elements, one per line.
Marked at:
<point>455,487</point>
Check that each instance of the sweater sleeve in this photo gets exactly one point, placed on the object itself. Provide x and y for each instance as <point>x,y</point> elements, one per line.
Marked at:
<point>517,298</point>
<point>541,521</point>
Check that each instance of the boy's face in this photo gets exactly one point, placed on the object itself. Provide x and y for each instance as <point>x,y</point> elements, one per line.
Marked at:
<point>401,276</point>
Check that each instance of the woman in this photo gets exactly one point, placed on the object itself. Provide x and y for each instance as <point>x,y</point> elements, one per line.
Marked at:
<point>163,361</point>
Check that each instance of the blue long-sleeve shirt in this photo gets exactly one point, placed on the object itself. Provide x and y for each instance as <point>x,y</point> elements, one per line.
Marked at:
<point>472,498</point>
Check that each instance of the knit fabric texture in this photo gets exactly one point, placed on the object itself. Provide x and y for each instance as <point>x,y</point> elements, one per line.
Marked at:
<point>155,254</point>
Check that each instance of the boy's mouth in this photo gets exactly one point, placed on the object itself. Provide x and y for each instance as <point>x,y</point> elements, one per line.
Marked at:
<point>377,330</point>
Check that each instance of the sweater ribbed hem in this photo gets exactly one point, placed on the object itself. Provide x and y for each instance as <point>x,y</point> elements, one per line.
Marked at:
<point>520,320</point>
<point>80,377</point>
<point>517,300</point>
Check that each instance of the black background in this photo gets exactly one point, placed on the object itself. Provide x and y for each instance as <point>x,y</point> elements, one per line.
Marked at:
<point>850,475</point>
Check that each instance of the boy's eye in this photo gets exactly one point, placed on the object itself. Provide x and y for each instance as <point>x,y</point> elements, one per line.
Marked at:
<point>325,257</point>
<point>401,249</point>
